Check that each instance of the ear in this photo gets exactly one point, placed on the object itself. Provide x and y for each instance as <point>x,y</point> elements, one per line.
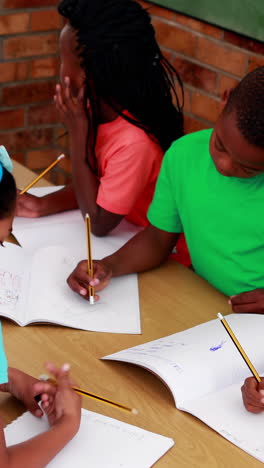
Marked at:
<point>225,96</point>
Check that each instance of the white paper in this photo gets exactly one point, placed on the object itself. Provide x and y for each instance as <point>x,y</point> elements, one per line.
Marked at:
<point>205,372</point>
<point>101,442</point>
<point>52,247</point>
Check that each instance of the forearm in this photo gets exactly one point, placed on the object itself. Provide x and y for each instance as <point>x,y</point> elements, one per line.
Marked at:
<point>61,200</point>
<point>39,451</point>
<point>7,386</point>
<point>85,183</point>
<point>147,250</point>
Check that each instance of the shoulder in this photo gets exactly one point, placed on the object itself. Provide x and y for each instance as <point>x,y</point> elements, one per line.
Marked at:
<point>186,148</point>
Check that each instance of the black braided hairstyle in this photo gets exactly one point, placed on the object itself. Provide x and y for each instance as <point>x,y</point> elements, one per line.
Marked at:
<point>124,66</point>
<point>7,194</point>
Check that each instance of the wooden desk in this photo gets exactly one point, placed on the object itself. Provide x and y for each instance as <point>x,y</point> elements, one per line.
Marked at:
<point>172,299</point>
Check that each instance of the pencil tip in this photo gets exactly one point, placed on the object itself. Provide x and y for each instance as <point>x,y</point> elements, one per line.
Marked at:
<point>61,157</point>
<point>87,216</point>
<point>134,411</point>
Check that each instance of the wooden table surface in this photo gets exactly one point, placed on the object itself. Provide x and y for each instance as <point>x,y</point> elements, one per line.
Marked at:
<point>172,298</point>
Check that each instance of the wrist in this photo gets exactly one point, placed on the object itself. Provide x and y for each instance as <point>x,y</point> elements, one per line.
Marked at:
<point>69,424</point>
<point>6,387</point>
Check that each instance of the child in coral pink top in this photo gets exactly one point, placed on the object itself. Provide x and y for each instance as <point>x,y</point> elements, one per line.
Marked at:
<point>116,101</point>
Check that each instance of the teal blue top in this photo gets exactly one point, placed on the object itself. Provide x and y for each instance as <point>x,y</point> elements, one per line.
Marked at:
<point>3,361</point>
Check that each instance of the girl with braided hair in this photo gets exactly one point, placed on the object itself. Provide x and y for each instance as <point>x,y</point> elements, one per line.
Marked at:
<point>118,102</point>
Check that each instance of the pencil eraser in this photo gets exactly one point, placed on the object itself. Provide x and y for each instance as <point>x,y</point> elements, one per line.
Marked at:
<point>44,377</point>
<point>91,300</point>
<point>134,411</point>
<point>220,316</point>
<point>61,157</point>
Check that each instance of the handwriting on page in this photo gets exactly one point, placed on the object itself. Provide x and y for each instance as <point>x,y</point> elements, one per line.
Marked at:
<point>10,287</point>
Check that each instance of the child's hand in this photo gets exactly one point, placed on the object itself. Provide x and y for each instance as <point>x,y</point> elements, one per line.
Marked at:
<point>79,280</point>
<point>63,407</point>
<point>253,395</point>
<point>71,110</point>
<point>248,302</point>
<point>29,206</point>
<point>21,385</point>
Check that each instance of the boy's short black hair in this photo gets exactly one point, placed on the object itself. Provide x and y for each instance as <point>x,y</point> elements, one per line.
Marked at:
<point>247,101</point>
<point>7,194</point>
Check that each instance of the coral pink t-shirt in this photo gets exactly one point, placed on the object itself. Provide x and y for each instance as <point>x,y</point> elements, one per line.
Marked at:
<point>128,166</point>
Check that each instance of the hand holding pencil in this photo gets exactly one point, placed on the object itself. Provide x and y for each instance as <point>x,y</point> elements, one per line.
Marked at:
<point>253,388</point>
<point>91,275</point>
<point>61,403</point>
<point>80,280</point>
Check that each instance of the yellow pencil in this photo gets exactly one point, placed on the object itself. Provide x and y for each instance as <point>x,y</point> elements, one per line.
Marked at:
<point>93,396</point>
<point>239,348</point>
<point>42,174</point>
<point>89,256</point>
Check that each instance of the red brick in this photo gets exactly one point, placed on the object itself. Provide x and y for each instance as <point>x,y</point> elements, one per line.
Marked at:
<point>13,24</point>
<point>25,139</point>
<point>39,115</point>
<point>175,38</point>
<point>191,124</point>
<point>195,75</point>
<point>199,26</point>
<point>226,82</point>
<point>44,67</point>
<point>65,164</point>
<point>45,20</point>
<point>244,42</point>
<point>255,62</point>
<point>61,178</point>
<point>28,3</point>
<point>221,56</point>
<point>62,138</point>
<point>19,157</point>
<point>187,100</point>
<point>13,71</point>
<point>205,107</point>
<point>27,93</point>
<point>27,46</point>
<point>11,119</point>
<point>39,159</point>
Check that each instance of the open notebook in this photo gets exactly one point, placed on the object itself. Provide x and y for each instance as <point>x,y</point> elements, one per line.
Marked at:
<point>101,442</point>
<point>204,372</point>
<point>33,284</point>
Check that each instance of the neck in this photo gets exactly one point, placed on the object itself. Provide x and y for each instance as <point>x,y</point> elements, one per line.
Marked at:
<point>107,113</point>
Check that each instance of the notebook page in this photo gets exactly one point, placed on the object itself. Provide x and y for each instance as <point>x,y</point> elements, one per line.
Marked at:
<point>225,413</point>
<point>22,226</point>
<point>14,278</point>
<point>101,442</point>
<point>51,299</point>
<point>203,354</point>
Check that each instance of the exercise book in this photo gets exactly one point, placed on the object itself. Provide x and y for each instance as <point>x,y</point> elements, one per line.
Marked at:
<point>101,442</point>
<point>205,372</point>
<point>33,285</point>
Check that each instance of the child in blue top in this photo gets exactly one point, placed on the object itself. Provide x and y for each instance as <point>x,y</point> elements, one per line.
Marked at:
<point>61,404</point>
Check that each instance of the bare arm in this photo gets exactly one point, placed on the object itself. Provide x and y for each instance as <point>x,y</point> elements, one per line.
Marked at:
<point>85,182</point>
<point>31,206</point>
<point>145,251</point>
<point>39,451</point>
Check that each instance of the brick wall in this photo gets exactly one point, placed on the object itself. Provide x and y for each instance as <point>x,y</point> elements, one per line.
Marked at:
<point>208,58</point>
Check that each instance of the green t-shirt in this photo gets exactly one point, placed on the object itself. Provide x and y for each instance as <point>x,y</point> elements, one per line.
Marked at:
<point>3,362</point>
<point>222,217</point>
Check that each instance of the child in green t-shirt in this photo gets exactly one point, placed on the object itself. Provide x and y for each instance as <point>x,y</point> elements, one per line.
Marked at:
<point>211,187</point>
<point>61,404</point>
